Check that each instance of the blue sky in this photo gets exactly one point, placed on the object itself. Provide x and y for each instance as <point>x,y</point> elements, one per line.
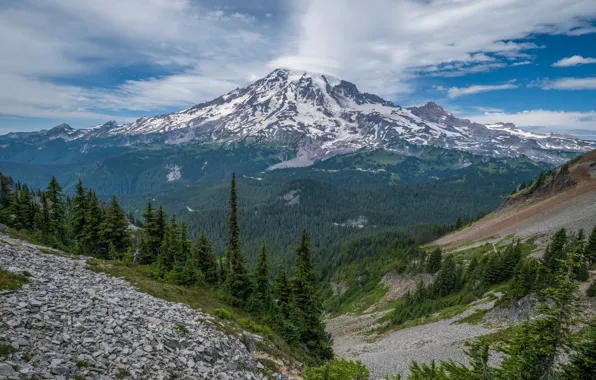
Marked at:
<point>529,62</point>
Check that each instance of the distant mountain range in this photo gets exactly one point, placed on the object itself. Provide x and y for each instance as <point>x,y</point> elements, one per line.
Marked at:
<point>318,116</point>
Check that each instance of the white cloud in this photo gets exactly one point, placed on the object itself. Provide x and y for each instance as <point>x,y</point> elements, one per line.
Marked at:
<point>45,45</point>
<point>379,44</point>
<point>573,61</point>
<point>192,50</point>
<point>567,84</point>
<point>455,92</point>
<point>546,120</point>
<point>521,63</point>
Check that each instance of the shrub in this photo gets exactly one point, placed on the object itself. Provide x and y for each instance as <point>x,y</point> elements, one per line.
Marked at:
<point>222,313</point>
<point>592,290</point>
<point>338,369</point>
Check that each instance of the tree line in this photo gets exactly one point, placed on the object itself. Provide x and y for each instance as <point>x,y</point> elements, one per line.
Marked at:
<point>80,224</point>
<point>290,304</point>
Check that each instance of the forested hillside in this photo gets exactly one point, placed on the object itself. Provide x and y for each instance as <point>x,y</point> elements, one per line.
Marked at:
<point>289,305</point>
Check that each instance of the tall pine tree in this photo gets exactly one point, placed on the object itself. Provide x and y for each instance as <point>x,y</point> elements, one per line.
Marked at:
<point>308,307</point>
<point>205,258</point>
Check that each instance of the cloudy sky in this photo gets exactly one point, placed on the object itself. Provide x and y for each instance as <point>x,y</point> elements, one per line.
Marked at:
<point>83,62</point>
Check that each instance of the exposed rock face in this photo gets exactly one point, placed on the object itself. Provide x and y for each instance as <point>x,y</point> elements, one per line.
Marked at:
<point>71,321</point>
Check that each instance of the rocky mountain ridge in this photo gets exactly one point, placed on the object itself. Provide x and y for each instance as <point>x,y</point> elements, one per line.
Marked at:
<point>320,116</point>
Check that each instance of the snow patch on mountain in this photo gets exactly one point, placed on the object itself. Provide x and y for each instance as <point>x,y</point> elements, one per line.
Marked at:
<point>321,116</point>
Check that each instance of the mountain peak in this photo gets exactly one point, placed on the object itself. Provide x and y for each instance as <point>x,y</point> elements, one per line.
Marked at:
<point>62,128</point>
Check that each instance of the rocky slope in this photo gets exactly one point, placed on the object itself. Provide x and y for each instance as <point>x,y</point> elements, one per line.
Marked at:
<point>566,199</point>
<point>72,322</point>
<point>319,116</point>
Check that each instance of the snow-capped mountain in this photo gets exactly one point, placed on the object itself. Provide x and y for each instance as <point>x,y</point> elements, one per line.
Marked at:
<point>322,116</point>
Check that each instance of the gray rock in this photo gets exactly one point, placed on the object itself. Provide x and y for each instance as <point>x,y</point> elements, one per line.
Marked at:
<point>6,371</point>
<point>73,320</point>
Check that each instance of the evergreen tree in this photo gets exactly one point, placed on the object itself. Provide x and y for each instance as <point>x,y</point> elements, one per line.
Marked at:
<point>92,242</point>
<point>434,261</point>
<point>511,260</point>
<point>238,282</point>
<point>79,208</point>
<point>152,237</point>
<point>533,351</point>
<point>169,252</point>
<point>282,292</point>
<point>42,220</point>
<point>262,294</point>
<point>160,223</point>
<point>446,280</point>
<point>590,248</point>
<point>233,245</point>
<point>205,257</point>
<point>25,215</point>
<point>114,229</point>
<point>5,190</point>
<point>556,250</point>
<point>307,305</point>
<point>582,363</point>
<point>57,213</point>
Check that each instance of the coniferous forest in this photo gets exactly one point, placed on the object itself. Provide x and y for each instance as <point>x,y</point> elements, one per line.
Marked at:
<point>290,304</point>
<point>291,300</point>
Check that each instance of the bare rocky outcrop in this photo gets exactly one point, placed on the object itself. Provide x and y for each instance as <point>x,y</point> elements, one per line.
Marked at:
<point>69,321</point>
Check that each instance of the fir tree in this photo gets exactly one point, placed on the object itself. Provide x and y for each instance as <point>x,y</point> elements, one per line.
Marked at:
<point>534,351</point>
<point>238,282</point>
<point>282,292</point>
<point>434,261</point>
<point>556,250</point>
<point>233,245</point>
<point>307,304</point>
<point>92,243</point>
<point>57,214</point>
<point>43,221</point>
<point>590,248</point>
<point>446,280</point>
<point>79,208</point>
<point>205,257</point>
<point>114,229</point>
<point>5,190</point>
<point>262,294</point>
<point>152,237</point>
<point>160,223</point>
<point>582,363</point>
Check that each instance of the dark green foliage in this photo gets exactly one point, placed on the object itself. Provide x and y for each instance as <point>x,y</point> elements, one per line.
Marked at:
<point>591,292</point>
<point>556,251</point>
<point>434,261</point>
<point>338,369</point>
<point>261,298</point>
<point>57,209</point>
<point>590,249</point>
<point>205,256</point>
<point>564,170</point>
<point>446,281</point>
<point>114,229</point>
<point>534,350</point>
<point>79,209</point>
<point>582,363</point>
<point>92,243</point>
<point>238,284</point>
<point>308,307</point>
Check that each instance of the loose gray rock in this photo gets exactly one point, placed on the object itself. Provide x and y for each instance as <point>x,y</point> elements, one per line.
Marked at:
<point>70,321</point>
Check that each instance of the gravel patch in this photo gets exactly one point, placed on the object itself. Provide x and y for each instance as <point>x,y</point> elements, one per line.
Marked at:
<point>71,321</point>
<point>393,352</point>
